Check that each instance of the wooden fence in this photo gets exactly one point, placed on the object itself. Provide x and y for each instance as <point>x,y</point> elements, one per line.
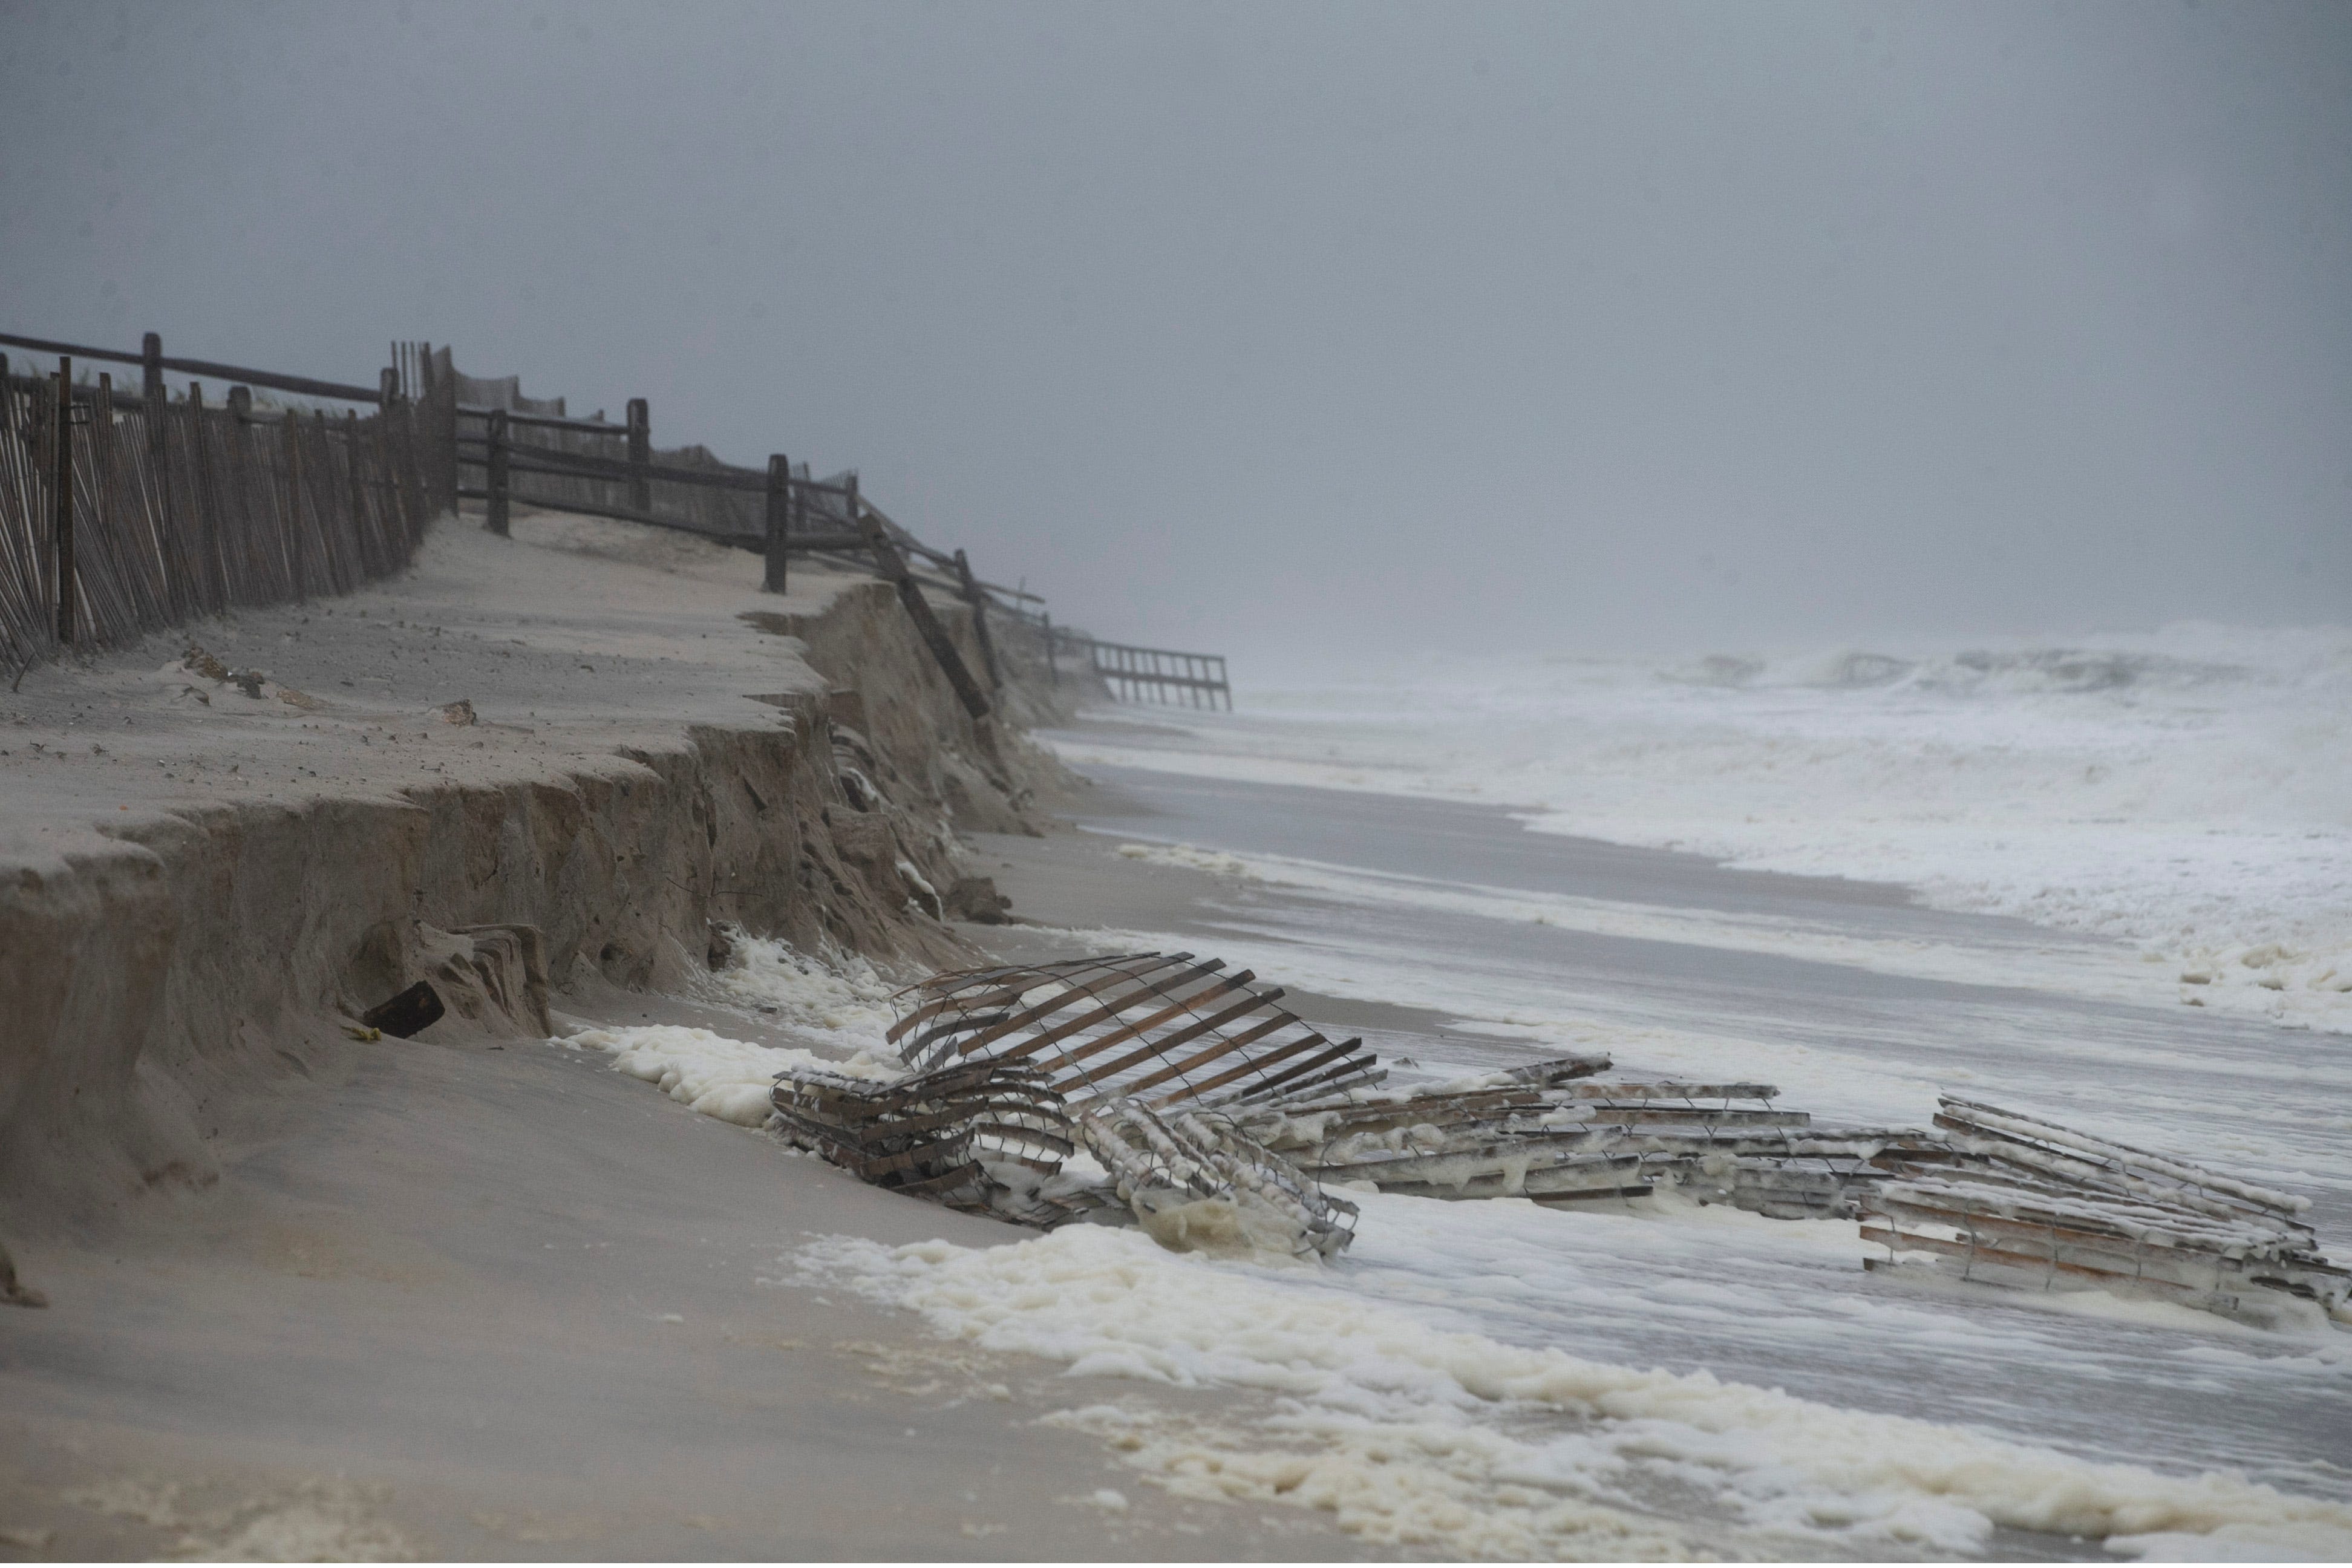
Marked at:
<point>1150,674</point>
<point>119,516</point>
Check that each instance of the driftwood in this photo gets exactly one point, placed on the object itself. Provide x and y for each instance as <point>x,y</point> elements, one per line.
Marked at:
<point>413,1011</point>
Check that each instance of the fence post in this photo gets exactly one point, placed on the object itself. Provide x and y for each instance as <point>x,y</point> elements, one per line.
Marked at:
<point>441,398</point>
<point>387,386</point>
<point>204,503</point>
<point>641,452</point>
<point>497,467</point>
<point>363,534</point>
<point>105,503</point>
<point>892,566</point>
<point>971,595</point>
<point>780,482</point>
<point>151,387</point>
<point>63,479</point>
<point>290,438</point>
<point>1052,671</point>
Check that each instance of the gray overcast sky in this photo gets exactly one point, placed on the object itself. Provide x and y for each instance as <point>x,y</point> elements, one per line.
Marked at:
<point>1267,326</point>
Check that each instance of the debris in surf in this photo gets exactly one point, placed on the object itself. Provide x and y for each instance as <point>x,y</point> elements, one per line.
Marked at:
<point>1142,1060</point>
<point>2015,1200</point>
<point>1212,1117</point>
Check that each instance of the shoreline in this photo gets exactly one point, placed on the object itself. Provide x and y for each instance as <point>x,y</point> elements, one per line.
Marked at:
<point>2091,1376</point>
<point>2176,791</point>
<point>478,1294</point>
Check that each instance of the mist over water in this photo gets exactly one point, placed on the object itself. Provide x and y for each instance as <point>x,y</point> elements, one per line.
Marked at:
<point>1307,329</point>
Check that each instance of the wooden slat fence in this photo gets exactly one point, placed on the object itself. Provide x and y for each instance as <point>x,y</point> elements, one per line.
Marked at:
<point>181,506</point>
<point>1135,674</point>
<point>1159,674</point>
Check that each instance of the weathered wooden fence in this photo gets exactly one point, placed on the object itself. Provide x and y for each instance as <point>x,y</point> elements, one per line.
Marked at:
<point>121,515</point>
<point>1150,674</point>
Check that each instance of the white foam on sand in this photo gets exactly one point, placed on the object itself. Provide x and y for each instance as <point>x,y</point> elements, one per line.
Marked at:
<point>839,1004</point>
<point>2188,791</point>
<point>729,1079</point>
<point>1415,1431</point>
<point>838,999</point>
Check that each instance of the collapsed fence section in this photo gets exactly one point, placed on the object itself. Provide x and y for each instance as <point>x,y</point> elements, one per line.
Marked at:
<point>121,515</point>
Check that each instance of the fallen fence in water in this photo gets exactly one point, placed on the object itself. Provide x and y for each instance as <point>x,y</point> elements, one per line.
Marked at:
<point>1214,1118</point>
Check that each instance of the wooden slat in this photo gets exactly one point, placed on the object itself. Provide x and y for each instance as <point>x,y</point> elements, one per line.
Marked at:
<point>1073,991</point>
<point>1129,1028</point>
<point>1190,1032</point>
<point>1247,1038</point>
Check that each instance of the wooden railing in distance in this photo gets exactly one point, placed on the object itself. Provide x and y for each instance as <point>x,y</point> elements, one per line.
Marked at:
<point>1150,674</point>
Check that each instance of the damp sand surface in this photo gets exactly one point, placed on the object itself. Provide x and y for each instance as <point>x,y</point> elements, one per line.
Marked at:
<point>485,1303</point>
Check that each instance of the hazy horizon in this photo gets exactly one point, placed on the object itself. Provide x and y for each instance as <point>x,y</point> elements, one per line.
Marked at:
<point>1308,328</point>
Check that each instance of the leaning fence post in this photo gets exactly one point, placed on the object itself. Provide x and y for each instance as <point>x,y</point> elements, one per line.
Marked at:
<point>780,481</point>
<point>497,467</point>
<point>640,453</point>
<point>978,620</point>
<point>893,568</point>
<point>63,481</point>
<point>362,533</point>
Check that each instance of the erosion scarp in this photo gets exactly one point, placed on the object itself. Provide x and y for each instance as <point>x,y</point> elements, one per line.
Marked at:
<point>529,764</point>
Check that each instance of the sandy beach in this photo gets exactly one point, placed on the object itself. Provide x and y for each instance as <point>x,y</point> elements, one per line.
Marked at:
<point>480,1294</point>
<point>1054,781</point>
<point>472,1294</point>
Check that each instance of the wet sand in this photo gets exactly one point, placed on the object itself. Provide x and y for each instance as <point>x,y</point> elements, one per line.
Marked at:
<point>487,1302</point>
<point>508,1303</point>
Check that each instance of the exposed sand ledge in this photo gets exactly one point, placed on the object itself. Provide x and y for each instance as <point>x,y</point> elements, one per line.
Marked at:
<point>195,881</point>
<point>472,1294</point>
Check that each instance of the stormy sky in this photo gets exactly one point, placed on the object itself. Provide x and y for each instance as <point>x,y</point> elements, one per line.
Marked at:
<point>1271,328</point>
